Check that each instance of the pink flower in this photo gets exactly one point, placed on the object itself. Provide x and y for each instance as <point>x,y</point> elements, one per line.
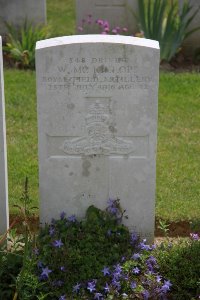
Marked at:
<point>99,22</point>
<point>114,31</point>
<point>106,29</point>
<point>125,29</point>
<point>80,28</point>
<point>106,24</point>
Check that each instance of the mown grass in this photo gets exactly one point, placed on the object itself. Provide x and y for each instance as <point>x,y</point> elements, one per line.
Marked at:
<point>61,17</point>
<point>20,95</point>
<point>178,158</point>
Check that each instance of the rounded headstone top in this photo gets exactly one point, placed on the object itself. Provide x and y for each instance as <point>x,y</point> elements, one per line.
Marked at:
<point>97,38</point>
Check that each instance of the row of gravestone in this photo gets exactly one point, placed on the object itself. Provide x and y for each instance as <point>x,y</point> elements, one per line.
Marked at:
<point>117,12</point>
<point>97,124</point>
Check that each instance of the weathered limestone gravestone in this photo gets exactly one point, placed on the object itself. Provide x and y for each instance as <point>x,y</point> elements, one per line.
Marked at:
<point>16,11</point>
<point>3,156</point>
<point>97,114</point>
<point>193,41</point>
<point>117,12</point>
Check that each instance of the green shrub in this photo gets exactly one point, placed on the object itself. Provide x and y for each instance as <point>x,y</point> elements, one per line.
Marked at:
<point>20,47</point>
<point>96,258</point>
<point>168,26</point>
<point>180,263</point>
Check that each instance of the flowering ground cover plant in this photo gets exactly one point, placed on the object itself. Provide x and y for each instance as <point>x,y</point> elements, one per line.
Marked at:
<point>96,258</point>
<point>180,262</point>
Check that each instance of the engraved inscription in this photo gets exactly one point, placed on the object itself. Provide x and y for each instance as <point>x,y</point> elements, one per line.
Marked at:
<point>100,138</point>
<point>89,74</point>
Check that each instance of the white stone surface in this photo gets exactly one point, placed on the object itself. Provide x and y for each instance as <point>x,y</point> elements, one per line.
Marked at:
<point>97,115</point>
<point>193,41</point>
<point>118,12</point>
<point>16,11</point>
<point>3,156</point>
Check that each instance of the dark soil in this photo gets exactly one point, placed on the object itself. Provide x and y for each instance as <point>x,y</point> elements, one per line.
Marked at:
<point>176,229</point>
<point>182,63</point>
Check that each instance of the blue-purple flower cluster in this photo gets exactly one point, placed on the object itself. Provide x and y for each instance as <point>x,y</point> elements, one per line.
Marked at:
<point>134,276</point>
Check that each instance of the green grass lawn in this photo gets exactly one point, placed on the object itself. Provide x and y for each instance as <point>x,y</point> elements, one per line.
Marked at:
<point>178,158</point>
<point>61,17</point>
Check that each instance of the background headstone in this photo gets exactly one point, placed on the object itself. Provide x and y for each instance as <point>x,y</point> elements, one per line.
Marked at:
<point>3,156</point>
<point>193,41</point>
<point>97,114</point>
<point>17,11</point>
<point>117,12</point>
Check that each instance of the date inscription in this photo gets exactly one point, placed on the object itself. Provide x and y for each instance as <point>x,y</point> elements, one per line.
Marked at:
<point>105,74</point>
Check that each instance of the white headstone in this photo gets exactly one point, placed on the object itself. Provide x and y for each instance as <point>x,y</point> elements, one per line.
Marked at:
<point>120,13</point>
<point>193,41</point>
<point>97,114</point>
<point>3,156</point>
<point>17,11</point>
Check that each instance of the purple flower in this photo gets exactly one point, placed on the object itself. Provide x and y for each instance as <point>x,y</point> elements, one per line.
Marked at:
<point>143,246</point>
<point>62,215</point>
<point>111,202</point>
<point>136,270</point>
<point>134,237</point>
<point>116,284</point>
<point>146,295</point>
<point>76,288</point>
<point>194,236</point>
<point>51,231</point>
<point>133,285</point>
<point>98,296</point>
<point>72,218</point>
<point>125,277</point>
<point>166,286</point>
<point>117,271</point>
<point>158,278</point>
<point>106,271</point>
<point>106,288</point>
<point>91,286</point>
<point>62,297</point>
<point>136,256</point>
<point>113,210</point>
<point>58,243</point>
<point>152,260</point>
<point>45,272</point>
<point>62,268</point>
